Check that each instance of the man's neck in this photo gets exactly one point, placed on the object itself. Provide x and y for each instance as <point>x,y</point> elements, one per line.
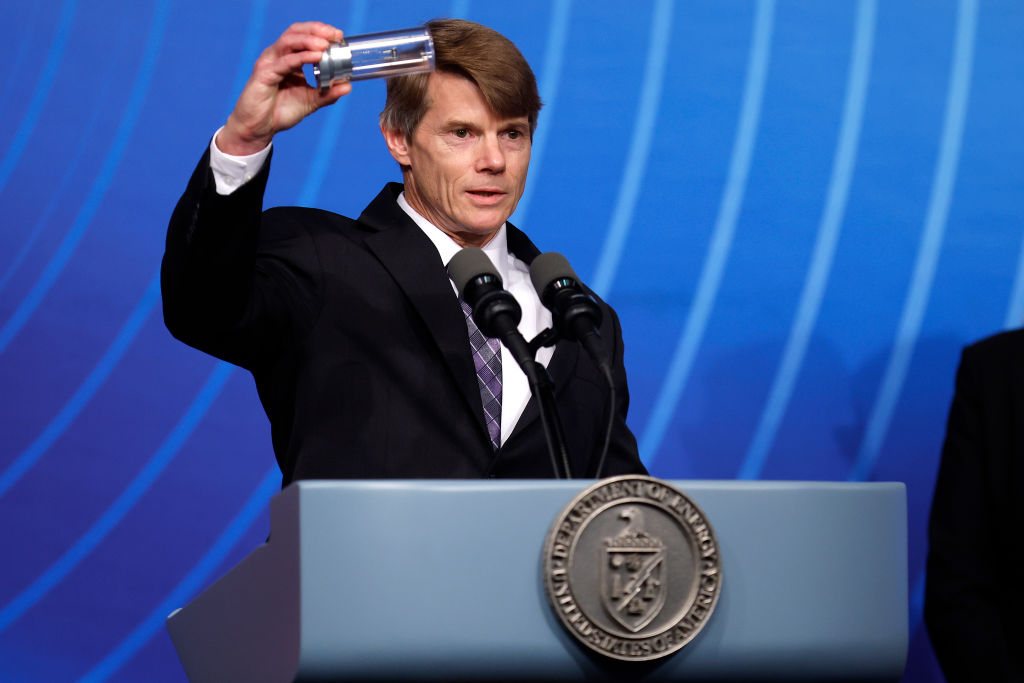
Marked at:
<point>447,246</point>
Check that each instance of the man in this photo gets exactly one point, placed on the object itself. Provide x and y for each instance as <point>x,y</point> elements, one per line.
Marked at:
<point>973,595</point>
<point>352,329</point>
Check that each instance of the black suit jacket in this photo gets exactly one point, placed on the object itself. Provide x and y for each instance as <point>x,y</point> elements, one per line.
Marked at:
<point>358,344</point>
<point>974,593</point>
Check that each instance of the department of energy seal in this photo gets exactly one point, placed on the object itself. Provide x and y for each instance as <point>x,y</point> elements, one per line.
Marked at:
<point>632,568</point>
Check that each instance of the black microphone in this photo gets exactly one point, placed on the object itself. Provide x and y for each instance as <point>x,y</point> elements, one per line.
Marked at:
<point>495,311</point>
<point>575,312</point>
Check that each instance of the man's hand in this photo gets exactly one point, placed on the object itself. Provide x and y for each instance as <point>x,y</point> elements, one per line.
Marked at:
<point>277,95</point>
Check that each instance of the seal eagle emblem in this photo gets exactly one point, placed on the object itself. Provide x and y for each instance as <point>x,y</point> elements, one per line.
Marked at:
<point>632,568</point>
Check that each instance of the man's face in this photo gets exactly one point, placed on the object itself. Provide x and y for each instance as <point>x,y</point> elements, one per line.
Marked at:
<point>465,167</point>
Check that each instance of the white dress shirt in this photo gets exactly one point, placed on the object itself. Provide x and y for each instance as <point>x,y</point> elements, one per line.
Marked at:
<point>231,172</point>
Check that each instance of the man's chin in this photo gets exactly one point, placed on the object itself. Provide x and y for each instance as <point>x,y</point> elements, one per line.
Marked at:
<point>477,235</point>
<point>486,225</point>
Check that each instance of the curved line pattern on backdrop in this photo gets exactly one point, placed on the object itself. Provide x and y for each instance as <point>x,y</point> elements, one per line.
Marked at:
<point>721,239</point>
<point>931,242</point>
<point>824,247</point>
<point>639,150</point>
<point>54,54</point>
<point>16,66</point>
<point>190,583</point>
<point>99,187</point>
<point>85,391</point>
<point>130,329</point>
<point>121,506</point>
<point>70,164</point>
<point>168,449</point>
<point>554,56</point>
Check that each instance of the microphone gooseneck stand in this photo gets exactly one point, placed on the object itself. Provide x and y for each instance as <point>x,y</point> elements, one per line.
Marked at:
<point>544,390</point>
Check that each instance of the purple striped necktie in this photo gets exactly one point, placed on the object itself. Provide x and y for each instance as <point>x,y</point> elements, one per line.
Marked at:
<point>487,359</point>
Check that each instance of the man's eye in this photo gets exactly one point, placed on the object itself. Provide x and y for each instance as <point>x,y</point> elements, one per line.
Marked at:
<point>514,135</point>
<point>460,133</point>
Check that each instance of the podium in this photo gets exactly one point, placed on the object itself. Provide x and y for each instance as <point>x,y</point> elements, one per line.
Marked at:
<point>440,580</point>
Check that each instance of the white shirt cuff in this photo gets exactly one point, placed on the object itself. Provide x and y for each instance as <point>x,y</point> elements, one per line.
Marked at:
<point>231,172</point>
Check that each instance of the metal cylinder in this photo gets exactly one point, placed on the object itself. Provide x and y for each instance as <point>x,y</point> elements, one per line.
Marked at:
<point>376,55</point>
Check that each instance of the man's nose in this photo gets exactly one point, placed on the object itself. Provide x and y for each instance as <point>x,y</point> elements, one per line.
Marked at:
<point>491,156</point>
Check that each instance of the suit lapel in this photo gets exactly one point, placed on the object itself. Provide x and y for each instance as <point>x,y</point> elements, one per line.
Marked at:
<point>415,265</point>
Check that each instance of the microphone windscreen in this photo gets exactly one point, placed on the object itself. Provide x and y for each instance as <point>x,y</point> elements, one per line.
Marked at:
<point>469,263</point>
<point>547,268</point>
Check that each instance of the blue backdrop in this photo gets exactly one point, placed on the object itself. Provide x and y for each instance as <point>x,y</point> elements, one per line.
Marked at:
<point>801,210</point>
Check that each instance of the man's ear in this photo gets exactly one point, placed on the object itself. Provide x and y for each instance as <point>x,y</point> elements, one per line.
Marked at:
<point>398,145</point>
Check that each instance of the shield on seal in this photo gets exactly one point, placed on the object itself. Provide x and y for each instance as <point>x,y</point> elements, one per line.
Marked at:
<point>632,574</point>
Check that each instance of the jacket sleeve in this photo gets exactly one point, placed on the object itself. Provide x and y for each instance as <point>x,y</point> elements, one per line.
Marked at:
<point>233,284</point>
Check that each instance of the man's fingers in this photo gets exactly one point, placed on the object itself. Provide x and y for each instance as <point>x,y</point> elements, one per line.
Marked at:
<point>297,43</point>
<point>294,61</point>
<point>315,28</point>
<point>307,39</point>
<point>270,70</point>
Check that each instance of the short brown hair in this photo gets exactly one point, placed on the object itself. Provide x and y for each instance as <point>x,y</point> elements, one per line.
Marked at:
<point>481,54</point>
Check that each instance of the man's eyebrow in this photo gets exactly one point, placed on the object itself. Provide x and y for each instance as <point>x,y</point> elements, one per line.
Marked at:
<point>519,122</point>
<point>458,123</point>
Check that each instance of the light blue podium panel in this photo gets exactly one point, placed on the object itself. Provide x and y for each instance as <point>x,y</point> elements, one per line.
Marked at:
<point>440,580</point>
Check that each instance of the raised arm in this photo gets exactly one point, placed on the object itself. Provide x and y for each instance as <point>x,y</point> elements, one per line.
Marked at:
<point>232,286</point>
